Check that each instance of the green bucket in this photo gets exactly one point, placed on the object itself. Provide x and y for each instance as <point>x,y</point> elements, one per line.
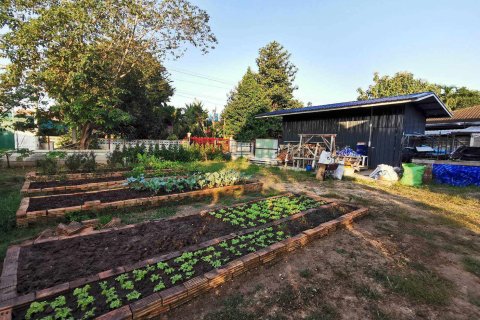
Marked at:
<point>412,174</point>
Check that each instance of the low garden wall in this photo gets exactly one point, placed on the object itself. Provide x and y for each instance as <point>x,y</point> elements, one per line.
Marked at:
<point>25,217</point>
<point>160,302</point>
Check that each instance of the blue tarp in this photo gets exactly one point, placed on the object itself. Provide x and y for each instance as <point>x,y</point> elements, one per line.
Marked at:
<point>348,152</point>
<point>456,175</point>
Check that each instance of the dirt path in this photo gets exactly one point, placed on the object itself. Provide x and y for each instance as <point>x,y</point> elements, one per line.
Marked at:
<point>400,262</point>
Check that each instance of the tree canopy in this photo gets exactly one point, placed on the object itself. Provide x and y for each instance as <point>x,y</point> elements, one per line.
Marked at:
<point>270,89</point>
<point>144,96</point>
<point>276,75</point>
<point>245,101</point>
<point>78,51</point>
<point>405,83</point>
<point>399,84</point>
<point>459,97</point>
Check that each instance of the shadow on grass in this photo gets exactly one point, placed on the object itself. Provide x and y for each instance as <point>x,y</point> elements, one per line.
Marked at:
<point>446,208</point>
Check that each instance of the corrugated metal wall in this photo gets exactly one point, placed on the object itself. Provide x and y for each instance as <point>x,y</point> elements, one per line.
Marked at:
<point>414,120</point>
<point>352,126</point>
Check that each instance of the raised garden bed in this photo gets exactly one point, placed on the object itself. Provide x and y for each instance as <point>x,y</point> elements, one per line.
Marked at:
<point>148,288</point>
<point>87,255</point>
<point>36,177</point>
<point>33,209</point>
<point>63,186</point>
<point>94,181</point>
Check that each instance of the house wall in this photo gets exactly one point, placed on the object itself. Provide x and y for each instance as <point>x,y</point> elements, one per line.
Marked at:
<point>352,126</point>
<point>414,120</point>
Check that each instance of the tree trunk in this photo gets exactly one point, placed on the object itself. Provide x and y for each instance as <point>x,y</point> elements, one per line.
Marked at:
<point>74,135</point>
<point>86,133</point>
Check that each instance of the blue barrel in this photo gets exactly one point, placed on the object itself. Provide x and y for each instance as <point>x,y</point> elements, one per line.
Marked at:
<point>362,148</point>
<point>308,168</point>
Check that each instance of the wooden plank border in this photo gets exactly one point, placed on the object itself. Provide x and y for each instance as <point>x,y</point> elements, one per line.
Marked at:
<point>105,185</point>
<point>35,177</point>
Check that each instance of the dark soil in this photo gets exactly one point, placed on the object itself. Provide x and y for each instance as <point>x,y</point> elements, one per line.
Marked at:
<point>47,264</point>
<point>71,200</point>
<point>145,286</point>
<point>98,171</point>
<point>62,183</point>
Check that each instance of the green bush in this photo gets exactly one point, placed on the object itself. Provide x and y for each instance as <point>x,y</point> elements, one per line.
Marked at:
<point>129,155</point>
<point>49,165</point>
<point>89,164</point>
<point>73,162</point>
<point>115,158</point>
<point>81,162</point>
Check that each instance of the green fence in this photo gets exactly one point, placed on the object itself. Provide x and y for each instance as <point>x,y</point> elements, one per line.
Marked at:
<point>7,140</point>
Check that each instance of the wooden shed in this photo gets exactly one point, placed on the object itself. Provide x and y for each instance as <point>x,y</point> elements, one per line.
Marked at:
<point>381,123</point>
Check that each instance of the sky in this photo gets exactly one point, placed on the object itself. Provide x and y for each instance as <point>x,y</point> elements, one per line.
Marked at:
<point>336,45</point>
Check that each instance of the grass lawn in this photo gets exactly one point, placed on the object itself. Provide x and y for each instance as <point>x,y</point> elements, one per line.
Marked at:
<point>11,181</point>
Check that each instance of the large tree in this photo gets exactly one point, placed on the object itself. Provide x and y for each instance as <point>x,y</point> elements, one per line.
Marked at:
<point>245,101</point>
<point>405,83</point>
<point>77,51</point>
<point>276,75</point>
<point>459,97</point>
<point>192,118</point>
<point>399,84</point>
<point>144,96</point>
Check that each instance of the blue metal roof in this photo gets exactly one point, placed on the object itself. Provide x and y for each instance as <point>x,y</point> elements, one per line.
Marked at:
<point>428,101</point>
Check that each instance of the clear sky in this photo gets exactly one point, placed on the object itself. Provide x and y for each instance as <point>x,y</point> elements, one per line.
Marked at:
<point>336,45</point>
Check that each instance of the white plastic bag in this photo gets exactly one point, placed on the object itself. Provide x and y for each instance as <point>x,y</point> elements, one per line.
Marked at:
<point>338,173</point>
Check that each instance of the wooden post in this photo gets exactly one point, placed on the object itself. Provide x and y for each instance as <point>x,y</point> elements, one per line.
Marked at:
<point>321,171</point>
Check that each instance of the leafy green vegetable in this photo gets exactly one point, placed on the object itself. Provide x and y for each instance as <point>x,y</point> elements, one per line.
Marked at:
<point>134,295</point>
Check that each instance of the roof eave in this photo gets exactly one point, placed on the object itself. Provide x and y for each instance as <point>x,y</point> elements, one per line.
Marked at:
<point>266,115</point>
<point>444,107</point>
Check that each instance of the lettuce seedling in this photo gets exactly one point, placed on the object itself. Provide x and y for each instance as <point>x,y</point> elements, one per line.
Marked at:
<point>134,295</point>
<point>154,277</point>
<point>111,296</point>
<point>169,270</point>
<point>83,298</point>
<point>35,307</point>
<point>159,286</point>
<point>175,278</point>
<point>162,265</point>
<point>139,274</point>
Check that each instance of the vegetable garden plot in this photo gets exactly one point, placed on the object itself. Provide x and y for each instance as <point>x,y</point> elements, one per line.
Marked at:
<point>101,181</point>
<point>141,192</point>
<point>163,283</point>
<point>37,177</point>
<point>87,255</point>
<point>69,186</point>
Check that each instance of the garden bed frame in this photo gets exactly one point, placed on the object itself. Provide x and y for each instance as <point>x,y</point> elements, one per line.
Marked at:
<point>34,176</point>
<point>37,177</point>
<point>88,186</point>
<point>24,218</point>
<point>163,301</point>
<point>27,191</point>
